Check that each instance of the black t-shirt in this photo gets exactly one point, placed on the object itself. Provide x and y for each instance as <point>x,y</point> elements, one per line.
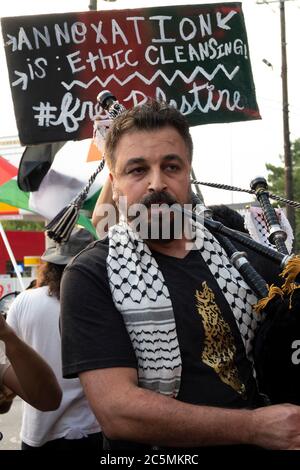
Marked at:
<point>94,335</point>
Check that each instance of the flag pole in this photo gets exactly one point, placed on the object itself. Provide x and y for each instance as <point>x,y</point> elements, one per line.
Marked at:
<point>11,255</point>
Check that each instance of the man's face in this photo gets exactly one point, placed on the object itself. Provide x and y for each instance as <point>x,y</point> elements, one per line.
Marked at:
<point>152,167</point>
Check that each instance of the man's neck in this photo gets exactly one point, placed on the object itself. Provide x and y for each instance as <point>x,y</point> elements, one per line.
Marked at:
<point>176,248</point>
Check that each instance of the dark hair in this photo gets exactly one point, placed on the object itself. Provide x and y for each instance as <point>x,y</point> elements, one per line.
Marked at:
<point>50,274</point>
<point>150,116</point>
<point>228,217</point>
<point>32,284</point>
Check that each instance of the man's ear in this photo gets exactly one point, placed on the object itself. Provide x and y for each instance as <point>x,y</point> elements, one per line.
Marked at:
<point>113,187</point>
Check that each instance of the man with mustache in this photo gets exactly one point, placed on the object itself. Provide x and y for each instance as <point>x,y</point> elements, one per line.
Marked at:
<point>159,329</point>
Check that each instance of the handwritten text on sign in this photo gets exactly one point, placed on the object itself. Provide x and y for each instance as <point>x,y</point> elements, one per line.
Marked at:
<point>195,57</point>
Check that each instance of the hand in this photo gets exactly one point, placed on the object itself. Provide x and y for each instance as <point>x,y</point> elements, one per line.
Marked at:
<point>277,427</point>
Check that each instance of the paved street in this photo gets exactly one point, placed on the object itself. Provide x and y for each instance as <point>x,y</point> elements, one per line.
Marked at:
<point>10,424</point>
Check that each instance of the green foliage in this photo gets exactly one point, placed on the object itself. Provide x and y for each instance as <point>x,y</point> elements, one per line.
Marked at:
<point>23,225</point>
<point>276,182</point>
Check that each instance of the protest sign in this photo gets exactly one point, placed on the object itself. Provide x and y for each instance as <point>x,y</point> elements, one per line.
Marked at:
<point>195,57</point>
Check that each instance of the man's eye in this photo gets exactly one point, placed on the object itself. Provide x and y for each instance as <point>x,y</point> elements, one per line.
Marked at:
<point>136,171</point>
<point>172,167</point>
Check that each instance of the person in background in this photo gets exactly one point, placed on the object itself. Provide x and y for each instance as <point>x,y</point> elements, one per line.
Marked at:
<point>228,217</point>
<point>34,315</point>
<point>32,284</point>
<point>23,372</point>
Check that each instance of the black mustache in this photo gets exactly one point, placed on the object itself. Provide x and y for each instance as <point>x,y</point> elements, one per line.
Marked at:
<point>158,197</point>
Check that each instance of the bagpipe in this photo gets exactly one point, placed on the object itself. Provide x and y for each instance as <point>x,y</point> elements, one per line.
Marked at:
<point>277,339</point>
<point>276,346</point>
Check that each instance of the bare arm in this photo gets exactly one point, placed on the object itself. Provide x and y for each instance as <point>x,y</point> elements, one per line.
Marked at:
<point>100,214</point>
<point>29,376</point>
<point>127,412</point>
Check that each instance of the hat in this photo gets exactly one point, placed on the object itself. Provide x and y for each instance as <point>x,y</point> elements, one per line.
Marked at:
<point>63,253</point>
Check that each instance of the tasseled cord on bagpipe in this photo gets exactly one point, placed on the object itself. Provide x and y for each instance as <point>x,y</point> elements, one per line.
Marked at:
<point>60,228</point>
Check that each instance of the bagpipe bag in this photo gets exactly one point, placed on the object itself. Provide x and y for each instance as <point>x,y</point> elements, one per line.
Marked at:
<point>276,347</point>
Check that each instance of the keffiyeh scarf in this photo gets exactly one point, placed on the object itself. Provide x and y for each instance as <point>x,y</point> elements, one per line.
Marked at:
<point>141,295</point>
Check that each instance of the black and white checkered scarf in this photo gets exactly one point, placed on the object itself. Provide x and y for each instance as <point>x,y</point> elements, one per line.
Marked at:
<point>141,295</point>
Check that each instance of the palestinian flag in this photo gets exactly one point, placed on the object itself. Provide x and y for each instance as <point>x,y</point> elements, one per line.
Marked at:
<point>10,196</point>
<point>7,209</point>
<point>37,160</point>
<point>67,176</point>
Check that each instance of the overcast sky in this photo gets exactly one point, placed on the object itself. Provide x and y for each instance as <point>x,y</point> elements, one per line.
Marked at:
<point>224,153</point>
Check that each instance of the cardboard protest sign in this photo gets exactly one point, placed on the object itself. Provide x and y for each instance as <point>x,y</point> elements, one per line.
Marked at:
<point>195,57</point>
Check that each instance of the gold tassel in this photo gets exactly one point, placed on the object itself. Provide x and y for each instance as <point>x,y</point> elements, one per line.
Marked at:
<point>290,273</point>
<point>262,303</point>
<point>293,288</point>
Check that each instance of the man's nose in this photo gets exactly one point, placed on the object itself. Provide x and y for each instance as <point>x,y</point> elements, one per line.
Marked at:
<point>157,182</point>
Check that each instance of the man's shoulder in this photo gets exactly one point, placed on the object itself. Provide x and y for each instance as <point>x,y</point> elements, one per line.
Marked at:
<point>94,254</point>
